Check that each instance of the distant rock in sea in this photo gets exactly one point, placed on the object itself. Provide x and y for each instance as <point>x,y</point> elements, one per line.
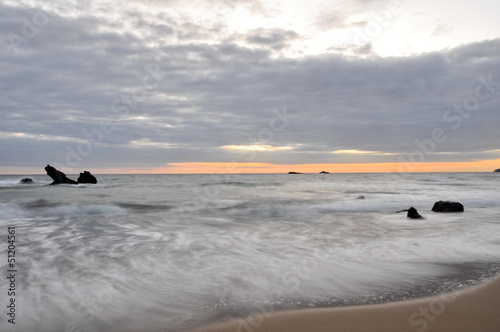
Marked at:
<point>295,173</point>
<point>443,206</point>
<point>86,177</point>
<point>58,176</point>
<point>360,197</point>
<point>323,172</point>
<point>497,170</point>
<point>26,180</point>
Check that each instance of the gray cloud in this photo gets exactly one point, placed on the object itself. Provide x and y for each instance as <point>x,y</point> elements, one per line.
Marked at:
<point>64,81</point>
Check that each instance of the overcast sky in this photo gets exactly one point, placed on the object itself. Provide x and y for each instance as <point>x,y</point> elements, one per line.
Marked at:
<point>115,86</point>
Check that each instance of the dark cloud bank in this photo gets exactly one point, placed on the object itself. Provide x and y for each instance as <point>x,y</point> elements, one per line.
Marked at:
<point>147,102</point>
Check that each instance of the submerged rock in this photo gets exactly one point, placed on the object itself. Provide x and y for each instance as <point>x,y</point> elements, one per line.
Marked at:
<point>86,177</point>
<point>443,206</point>
<point>58,176</point>
<point>26,180</point>
<point>413,213</point>
<point>295,173</point>
<point>360,197</point>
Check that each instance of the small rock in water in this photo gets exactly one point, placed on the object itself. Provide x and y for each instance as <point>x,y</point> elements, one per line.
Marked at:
<point>26,180</point>
<point>413,213</point>
<point>86,177</point>
<point>360,197</point>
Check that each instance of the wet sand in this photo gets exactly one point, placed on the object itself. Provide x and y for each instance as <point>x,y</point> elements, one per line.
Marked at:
<point>471,309</point>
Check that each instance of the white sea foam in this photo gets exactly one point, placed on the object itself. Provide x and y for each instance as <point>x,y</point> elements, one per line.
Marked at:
<point>16,183</point>
<point>9,183</point>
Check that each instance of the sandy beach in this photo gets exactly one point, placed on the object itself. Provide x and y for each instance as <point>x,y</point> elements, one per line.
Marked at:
<point>471,309</point>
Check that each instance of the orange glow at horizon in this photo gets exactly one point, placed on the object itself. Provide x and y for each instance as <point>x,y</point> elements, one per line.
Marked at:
<point>249,168</point>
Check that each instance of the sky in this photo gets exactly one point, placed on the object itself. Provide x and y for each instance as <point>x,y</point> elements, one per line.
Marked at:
<point>249,86</point>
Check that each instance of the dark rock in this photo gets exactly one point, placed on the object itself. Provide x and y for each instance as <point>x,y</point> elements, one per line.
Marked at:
<point>497,170</point>
<point>443,206</point>
<point>323,172</point>
<point>86,177</point>
<point>26,180</point>
<point>413,214</point>
<point>360,197</point>
<point>58,176</point>
<point>295,173</point>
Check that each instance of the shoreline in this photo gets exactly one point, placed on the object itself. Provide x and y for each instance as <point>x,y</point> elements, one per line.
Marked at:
<point>475,308</point>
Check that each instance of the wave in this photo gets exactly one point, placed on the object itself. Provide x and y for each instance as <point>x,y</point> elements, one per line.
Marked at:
<point>39,203</point>
<point>145,207</point>
<point>243,184</point>
<point>45,208</point>
<point>372,202</point>
<point>12,183</point>
<point>16,183</point>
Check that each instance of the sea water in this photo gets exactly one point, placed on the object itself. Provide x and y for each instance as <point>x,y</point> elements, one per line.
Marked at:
<point>172,252</point>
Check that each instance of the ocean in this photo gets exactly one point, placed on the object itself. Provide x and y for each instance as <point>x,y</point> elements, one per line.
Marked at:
<point>174,252</point>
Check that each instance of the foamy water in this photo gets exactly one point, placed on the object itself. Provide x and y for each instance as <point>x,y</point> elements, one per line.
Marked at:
<point>170,252</point>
